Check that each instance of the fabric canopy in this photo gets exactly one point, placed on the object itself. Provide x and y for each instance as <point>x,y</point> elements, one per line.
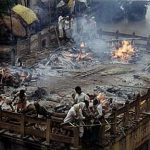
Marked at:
<point>25,13</point>
<point>71,2</point>
<point>14,25</point>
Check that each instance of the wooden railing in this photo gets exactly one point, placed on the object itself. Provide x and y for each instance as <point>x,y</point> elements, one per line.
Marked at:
<point>38,127</point>
<point>128,116</point>
<point>44,128</point>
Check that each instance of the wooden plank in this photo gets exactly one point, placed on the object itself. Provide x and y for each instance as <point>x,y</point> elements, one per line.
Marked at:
<point>62,138</point>
<point>35,132</point>
<point>56,119</point>
<point>11,115</point>
<point>10,127</point>
<point>60,115</point>
<point>35,120</point>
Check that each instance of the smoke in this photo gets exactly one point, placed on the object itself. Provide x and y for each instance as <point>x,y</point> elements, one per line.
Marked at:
<point>84,29</point>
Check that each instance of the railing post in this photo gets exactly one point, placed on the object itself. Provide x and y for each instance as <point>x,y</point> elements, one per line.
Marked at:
<point>133,34</point>
<point>76,142</point>
<point>100,32</point>
<point>137,107</point>
<point>39,42</point>
<point>102,131</point>
<point>0,113</point>
<point>48,131</point>
<point>113,121</point>
<point>148,43</point>
<point>117,34</point>
<point>148,105</point>
<point>126,114</point>
<point>147,109</point>
<point>22,129</point>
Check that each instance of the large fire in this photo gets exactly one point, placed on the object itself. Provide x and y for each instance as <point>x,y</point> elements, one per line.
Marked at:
<point>124,51</point>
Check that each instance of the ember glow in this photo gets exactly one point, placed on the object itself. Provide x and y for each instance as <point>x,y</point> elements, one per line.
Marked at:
<point>82,45</point>
<point>123,51</point>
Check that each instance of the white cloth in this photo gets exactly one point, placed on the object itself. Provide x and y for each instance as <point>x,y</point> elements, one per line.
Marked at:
<point>75,112</point>
<point>82,97</point>
<point>99,110</point>
<point>60,4</point>
<point>60,26</point>
<point>83,1</point>
<point>60,22</point>
<point>66,25</point>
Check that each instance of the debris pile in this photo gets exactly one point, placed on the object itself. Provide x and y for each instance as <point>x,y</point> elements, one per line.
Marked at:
<point>66,60</point>
<point>117,94</point>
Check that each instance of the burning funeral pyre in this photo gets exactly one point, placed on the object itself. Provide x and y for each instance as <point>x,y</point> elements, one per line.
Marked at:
<point>67,59</point>
<point>124,51</point>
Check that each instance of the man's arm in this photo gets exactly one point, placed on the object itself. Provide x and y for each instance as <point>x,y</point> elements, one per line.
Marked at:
<point>81,117</point>
<point>100,111</point>
<point>86,97</point>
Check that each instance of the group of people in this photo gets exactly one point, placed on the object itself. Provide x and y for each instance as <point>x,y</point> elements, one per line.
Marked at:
<point>18,103</point>
<point>64,27</point>
<point>83,109</point>
<point>84,27</point>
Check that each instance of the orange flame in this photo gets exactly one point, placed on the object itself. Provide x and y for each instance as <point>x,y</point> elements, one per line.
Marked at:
<point>124,51</point>
<point>82,45</point>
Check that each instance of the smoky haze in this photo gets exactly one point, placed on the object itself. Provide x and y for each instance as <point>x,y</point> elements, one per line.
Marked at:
<point>84,29</point>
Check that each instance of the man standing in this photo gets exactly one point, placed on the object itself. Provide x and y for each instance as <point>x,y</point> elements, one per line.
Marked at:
<point>80,96</point>
<point>98,110</point>
<point>60,26</point>
<point>67,27</point>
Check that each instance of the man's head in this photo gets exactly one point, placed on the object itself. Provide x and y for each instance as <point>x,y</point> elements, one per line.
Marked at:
<point>95,102</point>
<point>78,89</point>
<point>22,92</point>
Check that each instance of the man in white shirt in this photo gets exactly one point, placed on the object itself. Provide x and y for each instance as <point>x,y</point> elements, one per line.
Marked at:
<point>98,110</point>
<point>75,113</point>
<point>80,96</point>
<point>60,26</point>
<point>67,27</point>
